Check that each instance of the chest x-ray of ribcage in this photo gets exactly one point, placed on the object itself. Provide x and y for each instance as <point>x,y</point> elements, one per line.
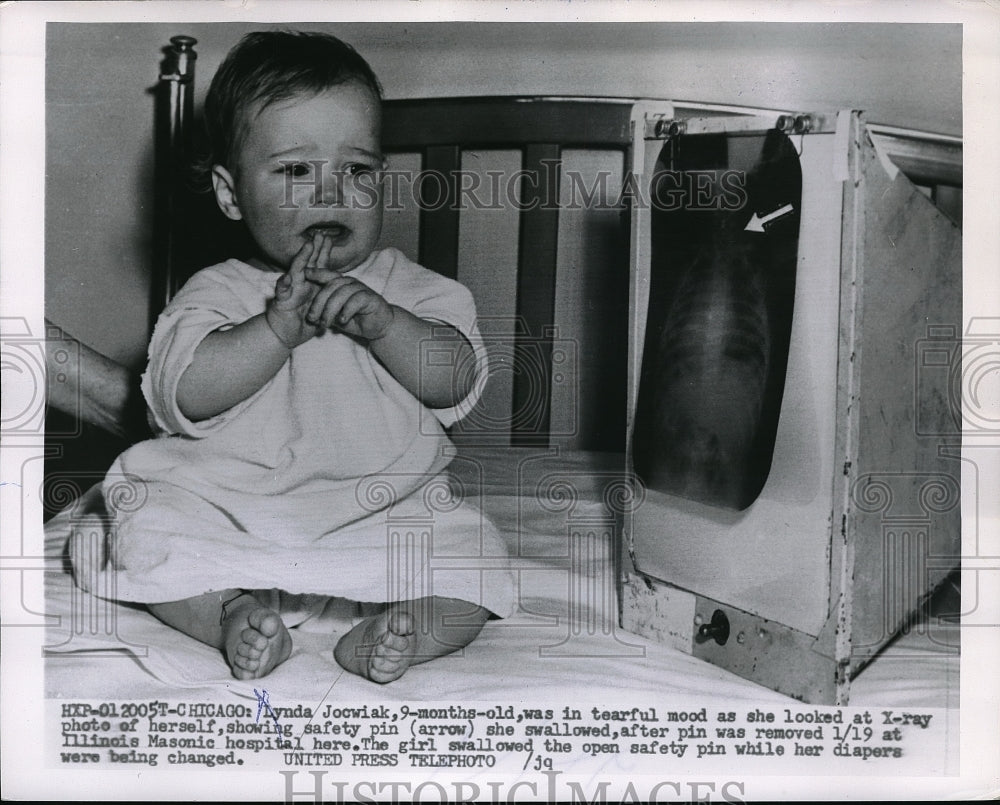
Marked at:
<point>720,315</point>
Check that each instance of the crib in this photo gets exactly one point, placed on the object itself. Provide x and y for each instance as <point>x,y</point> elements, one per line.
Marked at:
<point>606,611</point>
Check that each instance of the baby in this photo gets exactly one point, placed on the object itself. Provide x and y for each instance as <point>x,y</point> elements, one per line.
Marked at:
<point>302,396</point>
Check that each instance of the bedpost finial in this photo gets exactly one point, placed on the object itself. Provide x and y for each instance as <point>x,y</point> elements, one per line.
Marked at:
<point>183,43</point>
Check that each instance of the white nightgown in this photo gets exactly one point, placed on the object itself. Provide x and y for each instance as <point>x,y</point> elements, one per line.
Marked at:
<point>325,481</point>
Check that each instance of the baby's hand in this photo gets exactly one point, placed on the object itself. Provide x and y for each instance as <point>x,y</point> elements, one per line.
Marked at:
<point>350,306</point>
<point>293,293</point>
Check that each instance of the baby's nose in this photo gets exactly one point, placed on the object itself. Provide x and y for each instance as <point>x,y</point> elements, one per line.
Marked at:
<point>332,191</point>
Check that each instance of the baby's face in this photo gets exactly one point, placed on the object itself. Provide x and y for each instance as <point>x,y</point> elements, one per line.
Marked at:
<point>311,166</point>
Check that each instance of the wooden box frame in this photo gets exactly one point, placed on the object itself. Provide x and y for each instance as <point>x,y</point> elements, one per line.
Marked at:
<point>883,526</point>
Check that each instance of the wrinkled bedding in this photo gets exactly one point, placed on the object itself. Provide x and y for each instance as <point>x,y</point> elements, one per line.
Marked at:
<point>562,641</point>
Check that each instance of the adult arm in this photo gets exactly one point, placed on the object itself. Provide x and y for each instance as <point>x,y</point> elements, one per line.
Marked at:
<point>84,383</point>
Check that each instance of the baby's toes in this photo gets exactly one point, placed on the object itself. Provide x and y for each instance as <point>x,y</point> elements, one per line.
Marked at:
<point>266,622</point>
<point>249,650</point>
<point>392,643</point>
<point>257,645</point>
<point>400,623</point>
<point>388,659</point>
<point>245,662</point>
<point>252,639</point>
<point>383,665</point>
<point>243,673</point>
<point>247,657</point>
<point>387,652</point>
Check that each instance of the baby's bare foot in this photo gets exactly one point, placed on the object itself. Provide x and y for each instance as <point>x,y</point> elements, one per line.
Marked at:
<point>380,648</point>
<point>256,640</point>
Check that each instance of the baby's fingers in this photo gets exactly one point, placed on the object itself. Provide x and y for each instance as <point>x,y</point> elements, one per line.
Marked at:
<point>321,311</point>
<point>292,288</point>
<point>323,258</point>
<point>283,288</point>
<point>297,270</point>
<point>359,301</point>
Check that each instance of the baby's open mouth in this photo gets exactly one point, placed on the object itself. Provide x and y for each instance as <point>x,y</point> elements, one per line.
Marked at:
<point>335,232</point>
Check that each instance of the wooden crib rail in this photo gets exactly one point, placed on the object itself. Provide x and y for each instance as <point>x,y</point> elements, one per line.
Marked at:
<point>440,128</point>
<point>540,128</point>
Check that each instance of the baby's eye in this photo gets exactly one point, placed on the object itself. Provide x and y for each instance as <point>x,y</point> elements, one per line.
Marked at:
<point>295,168</point>
<point>359,169</point>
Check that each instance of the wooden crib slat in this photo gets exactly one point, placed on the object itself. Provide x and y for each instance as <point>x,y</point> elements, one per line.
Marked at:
<point>536,287</point>
<point>504,122</point>
<point>439,210</point>
<point>439,129</point>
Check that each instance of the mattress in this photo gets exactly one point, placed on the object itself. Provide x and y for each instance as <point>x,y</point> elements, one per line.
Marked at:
<point>602,704</point>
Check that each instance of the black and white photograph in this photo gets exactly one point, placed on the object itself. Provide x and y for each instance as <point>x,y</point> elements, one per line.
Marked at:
<point>478,402</point>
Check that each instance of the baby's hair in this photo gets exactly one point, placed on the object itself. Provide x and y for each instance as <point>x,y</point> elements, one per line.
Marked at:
<point>266,67</point>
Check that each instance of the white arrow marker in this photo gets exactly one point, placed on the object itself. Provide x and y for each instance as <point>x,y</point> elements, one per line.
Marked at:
<point>756,224</point>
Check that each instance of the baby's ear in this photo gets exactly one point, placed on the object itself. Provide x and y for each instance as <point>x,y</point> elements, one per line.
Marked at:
<point>225,192</point>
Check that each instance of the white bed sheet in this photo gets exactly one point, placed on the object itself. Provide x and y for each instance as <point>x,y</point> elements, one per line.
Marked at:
<point>122,652</point>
